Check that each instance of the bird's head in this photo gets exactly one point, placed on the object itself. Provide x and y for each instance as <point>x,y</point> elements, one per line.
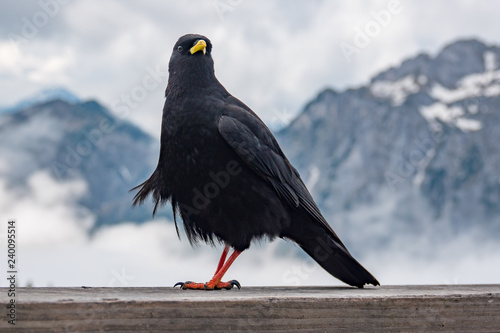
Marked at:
<point>192,46</point>
<point>191,58</point>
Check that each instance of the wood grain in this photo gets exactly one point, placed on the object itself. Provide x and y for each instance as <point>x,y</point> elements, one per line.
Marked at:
<point>454,308</point>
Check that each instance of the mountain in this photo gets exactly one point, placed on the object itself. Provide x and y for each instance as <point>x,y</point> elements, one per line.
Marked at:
<point>72,140</point>
<point>42,96</point>
<point>414,150</point>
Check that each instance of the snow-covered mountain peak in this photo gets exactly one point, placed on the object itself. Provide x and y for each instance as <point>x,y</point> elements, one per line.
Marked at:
<point>422,136</point>
<point>455,79</point>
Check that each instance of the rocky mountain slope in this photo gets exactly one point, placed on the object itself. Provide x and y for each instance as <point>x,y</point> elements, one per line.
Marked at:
<point>79,140</point>
<point>417,149</point>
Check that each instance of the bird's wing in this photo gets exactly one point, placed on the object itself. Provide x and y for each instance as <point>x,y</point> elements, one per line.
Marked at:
<point>269,162</point>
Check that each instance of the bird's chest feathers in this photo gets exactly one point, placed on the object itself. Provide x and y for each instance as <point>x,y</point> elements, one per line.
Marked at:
<point>192,144</point>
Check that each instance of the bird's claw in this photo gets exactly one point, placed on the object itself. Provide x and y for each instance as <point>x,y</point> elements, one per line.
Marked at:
<point>182,284</point>
<point>233,283</point>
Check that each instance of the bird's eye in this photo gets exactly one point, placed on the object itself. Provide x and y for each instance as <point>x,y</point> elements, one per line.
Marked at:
<point>179,48</point>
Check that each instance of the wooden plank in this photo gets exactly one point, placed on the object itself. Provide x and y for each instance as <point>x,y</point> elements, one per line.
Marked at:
<point>455,308</point>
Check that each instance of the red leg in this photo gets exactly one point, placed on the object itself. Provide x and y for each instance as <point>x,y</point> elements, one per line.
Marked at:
<point>215,282</point>
<point>222,258</point>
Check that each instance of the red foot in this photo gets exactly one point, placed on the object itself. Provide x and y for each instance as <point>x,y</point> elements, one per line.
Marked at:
<point>215,282</point>
<point>211,285</point>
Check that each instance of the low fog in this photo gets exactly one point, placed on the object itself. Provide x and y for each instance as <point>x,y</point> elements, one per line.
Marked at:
<point>56,249</point>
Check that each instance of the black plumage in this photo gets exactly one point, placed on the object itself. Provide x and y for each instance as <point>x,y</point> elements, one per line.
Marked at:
<point>224,172</point>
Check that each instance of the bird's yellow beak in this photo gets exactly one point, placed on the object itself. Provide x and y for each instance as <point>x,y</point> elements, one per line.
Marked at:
<point>201,45</point>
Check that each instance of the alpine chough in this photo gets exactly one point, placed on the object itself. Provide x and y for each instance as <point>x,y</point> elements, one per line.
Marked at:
<point>225,174</point>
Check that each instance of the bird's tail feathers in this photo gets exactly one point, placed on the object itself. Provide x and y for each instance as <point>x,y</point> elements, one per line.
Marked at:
<point>327,250</point>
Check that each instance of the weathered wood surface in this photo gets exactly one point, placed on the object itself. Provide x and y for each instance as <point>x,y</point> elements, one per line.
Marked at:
<point>454,308</point>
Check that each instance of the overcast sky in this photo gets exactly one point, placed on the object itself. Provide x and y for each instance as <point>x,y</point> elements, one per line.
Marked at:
<point>273,55</point>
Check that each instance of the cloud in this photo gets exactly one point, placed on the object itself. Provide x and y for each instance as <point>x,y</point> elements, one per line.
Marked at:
<point>151,255</point>
<point>267,53</point>
<point>465,259</point>
<point>55,249</point>
<point>45,211</point>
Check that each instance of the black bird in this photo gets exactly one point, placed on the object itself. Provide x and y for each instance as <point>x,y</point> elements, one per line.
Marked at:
<point>224,172</point>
